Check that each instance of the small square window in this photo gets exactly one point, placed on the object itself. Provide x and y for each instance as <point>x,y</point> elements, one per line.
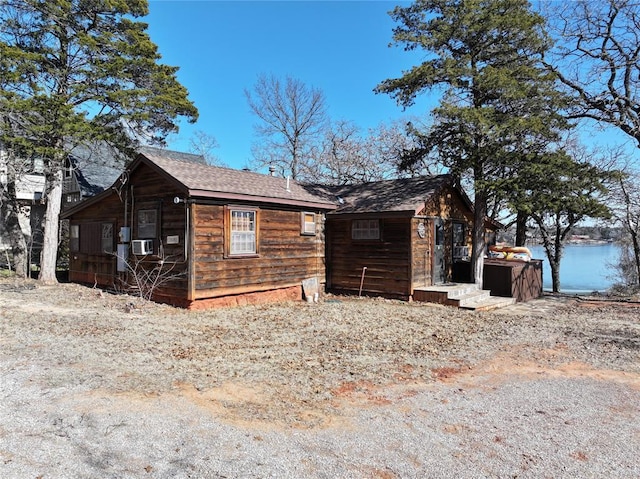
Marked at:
<point>308,223</point>
<point>365,230</point>
<point>38,165</point>
<point>68,169</point>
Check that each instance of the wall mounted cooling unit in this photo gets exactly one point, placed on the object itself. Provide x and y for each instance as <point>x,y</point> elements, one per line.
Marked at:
<point>142,247</point>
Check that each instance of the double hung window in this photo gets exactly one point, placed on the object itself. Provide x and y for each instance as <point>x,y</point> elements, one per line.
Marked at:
<point>242,231</point>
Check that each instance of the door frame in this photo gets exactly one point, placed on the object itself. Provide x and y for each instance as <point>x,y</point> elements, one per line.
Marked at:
<point>438,258</point>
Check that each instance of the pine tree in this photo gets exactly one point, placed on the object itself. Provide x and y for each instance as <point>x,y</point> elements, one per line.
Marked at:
<point>497,100</point>
<point>78,71</point>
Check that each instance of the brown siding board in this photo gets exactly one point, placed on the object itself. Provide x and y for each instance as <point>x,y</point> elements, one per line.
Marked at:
<point>285,257</point>
<point>224,273</point>
<point>90,265</point>
<point>149,191</point>
<point>387,260</point>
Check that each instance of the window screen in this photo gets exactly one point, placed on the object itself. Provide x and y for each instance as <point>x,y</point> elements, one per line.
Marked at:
<point>243,232</point>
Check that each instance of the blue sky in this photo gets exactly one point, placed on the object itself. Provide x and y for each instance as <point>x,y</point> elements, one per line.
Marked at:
<point>340,47</point>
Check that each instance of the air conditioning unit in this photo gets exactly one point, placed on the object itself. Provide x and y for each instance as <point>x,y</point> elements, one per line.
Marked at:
<point>142,247</point>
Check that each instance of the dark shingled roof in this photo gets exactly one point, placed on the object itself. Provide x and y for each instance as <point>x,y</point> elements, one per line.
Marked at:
<point>198,180</point>
<point>96,167</point>
<point>202,180</point>
<point>400,195</point>
<point>170,154</point>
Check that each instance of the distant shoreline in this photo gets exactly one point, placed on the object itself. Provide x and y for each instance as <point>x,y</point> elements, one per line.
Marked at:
<point>579,242</point>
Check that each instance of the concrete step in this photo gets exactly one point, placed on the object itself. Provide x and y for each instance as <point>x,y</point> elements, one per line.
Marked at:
<point>474,297</point>
<point>487,304</point>
<point>453,290</point>
<point>462,295</point>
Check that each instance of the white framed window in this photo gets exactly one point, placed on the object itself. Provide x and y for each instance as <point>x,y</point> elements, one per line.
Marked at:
<point>308,223</point>
<point>38,165</point>
<point>243,238</point>
<point>365,229</point>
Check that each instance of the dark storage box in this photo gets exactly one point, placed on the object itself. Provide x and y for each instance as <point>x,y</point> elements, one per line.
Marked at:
<point>462,272</point>
<point>513,279</point>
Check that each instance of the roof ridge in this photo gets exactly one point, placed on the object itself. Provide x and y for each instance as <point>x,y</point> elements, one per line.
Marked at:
<point>227,168</point>
<point>213,181</point>
<point>168,153</point>
<point>352,186</point>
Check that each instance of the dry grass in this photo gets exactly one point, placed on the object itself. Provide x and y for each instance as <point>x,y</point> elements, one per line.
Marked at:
<point>292,363</point>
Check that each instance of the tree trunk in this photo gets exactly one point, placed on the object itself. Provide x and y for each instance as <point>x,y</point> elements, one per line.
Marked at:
<point>636,254</point>
<point>521,229</point>
<point>10,213</point>
<point>49,255</point>
<point>479,245</point>
<point>555,276</point>
<point>551,243</point>
<point>555,262</point>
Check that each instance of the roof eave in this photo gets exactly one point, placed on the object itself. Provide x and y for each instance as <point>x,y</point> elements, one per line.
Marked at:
<point>259,199</point>
<point>378,213</point>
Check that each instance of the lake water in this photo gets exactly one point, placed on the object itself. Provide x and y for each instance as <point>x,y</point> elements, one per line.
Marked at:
<point>583,268</point>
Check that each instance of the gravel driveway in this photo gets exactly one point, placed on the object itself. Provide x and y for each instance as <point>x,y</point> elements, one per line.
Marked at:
<point>101,386</point>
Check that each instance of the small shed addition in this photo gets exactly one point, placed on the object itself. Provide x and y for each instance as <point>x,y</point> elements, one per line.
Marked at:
<point>390,237</point>
<point>222,236</point>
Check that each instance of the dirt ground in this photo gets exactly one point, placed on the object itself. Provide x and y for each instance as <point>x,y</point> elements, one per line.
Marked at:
<point>314,369</point>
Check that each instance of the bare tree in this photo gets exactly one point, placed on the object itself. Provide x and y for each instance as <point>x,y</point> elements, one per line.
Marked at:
<point>625,201</point>
<point>293,118</point>
<point>597,58</point>
<point>19,176</point>
<point>145,277</point>
<point>388,143</point>
<point>347,156</point>
<point>336,157</point>
<point>204,144</point>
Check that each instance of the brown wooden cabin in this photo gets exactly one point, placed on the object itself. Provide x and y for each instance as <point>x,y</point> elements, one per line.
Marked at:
<point>389,237</point>
<point>223,236</point>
